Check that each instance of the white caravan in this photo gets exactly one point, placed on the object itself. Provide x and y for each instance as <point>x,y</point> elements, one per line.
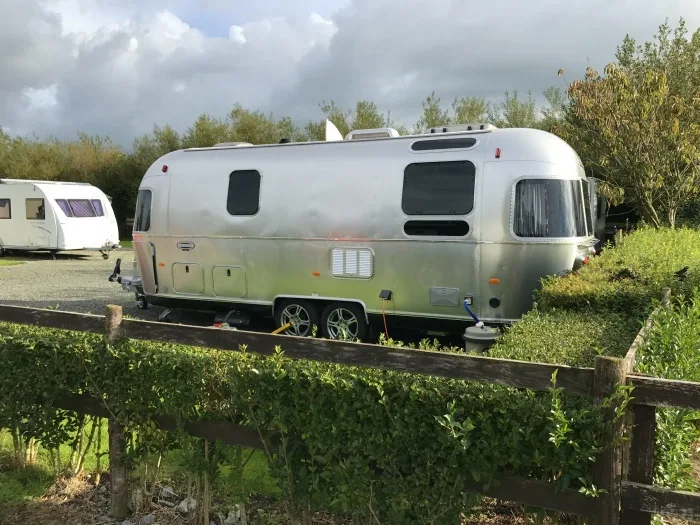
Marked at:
<point>55,216</point>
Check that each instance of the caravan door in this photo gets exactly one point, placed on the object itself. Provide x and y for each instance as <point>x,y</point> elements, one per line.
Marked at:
<point>144,250</point>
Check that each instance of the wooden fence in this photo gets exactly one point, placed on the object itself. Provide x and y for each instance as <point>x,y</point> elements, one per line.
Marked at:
<point>624,472</point>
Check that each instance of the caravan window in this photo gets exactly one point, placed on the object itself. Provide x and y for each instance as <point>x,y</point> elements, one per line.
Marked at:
<point>81,208</point>
<point>243,192</point>
<point>99,210</point>
<point>438,188</point>
<point>35,209</point>
<point>587,204</point>
<point>5,209</point>
<point>63,204</point>
<point>549,208</point>
<point>142,220</point>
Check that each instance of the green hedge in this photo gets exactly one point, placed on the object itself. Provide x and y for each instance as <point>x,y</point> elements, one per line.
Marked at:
<point>407,444</point>
<point>600,308</point>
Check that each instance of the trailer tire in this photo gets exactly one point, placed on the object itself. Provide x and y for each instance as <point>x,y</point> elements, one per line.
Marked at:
<point>344,321</point>
<point>2,251</point>
<point>303,314</point>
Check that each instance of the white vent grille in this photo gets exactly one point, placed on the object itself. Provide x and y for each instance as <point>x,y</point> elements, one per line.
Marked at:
<point>352,262</point>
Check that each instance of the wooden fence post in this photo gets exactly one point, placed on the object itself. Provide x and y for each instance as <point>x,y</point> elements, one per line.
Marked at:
<point>641,460</point>
<point>117,442</point>
<point>609,374</point>
<point>666,298</point>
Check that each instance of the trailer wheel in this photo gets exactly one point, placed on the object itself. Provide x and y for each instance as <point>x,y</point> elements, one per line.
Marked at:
<point>302,314</point>
<point>2,251</point>
<point>344,321</point>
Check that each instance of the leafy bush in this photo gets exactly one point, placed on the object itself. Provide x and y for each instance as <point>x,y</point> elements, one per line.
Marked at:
<point>628,278</point>
<point>566,338</point>
<point>354,441</point>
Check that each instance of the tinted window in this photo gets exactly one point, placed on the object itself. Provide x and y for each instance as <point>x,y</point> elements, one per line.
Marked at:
<point>243,192</point>
<point>426,145</point>
<point>81,208</point>
<point>35,209</point>
<point>142,219</point>
<point>588,205</point>
<point>438,188</point>
<point>437,228</point>
<point>5,209</point>
<point>99,210</point>
<point>549,208</point>
<point>63,204</point>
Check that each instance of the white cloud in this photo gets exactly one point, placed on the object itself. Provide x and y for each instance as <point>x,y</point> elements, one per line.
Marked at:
<point>117,66</point>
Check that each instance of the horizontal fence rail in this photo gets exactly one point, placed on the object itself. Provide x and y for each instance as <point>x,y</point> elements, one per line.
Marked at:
<point>507,372</point>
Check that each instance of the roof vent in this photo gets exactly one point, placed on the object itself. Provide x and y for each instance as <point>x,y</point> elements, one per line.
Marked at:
<point>232,145</point>
<point>377,133</point>
<point>463,127</point>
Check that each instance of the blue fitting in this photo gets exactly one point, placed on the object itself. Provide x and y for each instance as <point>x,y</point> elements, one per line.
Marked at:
<point>466,307</point>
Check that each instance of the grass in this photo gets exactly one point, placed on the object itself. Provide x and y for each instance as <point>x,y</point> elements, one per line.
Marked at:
<point>22,485</point>
<point>126,245</point>
<point>9,262</point>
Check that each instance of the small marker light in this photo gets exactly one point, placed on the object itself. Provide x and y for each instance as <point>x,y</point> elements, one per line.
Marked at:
<point>498,153</point>
<point>165,168</point>
<point>315,274</point>
<point>494,280</point>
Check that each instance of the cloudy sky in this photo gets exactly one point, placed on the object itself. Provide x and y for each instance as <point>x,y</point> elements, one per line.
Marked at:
<point>116,67</point>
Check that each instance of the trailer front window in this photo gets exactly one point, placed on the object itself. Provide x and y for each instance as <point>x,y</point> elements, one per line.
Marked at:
<point>549,208</point>
<point>35,209</point>
<point>5,209</point>
<point>81,208</point>
<point>142,220</point>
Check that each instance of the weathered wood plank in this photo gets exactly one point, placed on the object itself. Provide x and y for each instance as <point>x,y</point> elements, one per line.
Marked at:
<point>224,431</point>
<point>631,356</point>
<point>641,460</point>
<point>656,500</point>
<point>535,376</point>
<point>53,319</point>
<point>537,493</point>
<point>607,471</point>
<point>664,392</point>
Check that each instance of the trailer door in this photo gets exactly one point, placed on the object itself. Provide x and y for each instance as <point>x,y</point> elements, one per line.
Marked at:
<point>144,250</point>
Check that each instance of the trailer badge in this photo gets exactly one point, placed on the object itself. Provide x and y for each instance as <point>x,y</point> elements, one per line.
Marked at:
<point>185,246</point>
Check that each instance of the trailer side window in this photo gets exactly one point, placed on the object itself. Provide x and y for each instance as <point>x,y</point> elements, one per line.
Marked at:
<point>81,208</point>
<point>549,208</point>
<point>243,192</point>
<point>142,220</point>
<point>99,210</point>
<point>5,209</point>
<point>65,208</point>
<point>438,188</point>
<point>35,209</point>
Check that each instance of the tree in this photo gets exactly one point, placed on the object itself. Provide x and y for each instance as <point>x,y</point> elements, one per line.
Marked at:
<point>553,114</point>
<point>433,115</point>
<point>514,113</point>
<point>627,123</point>
<point>205,132</point>
<point>470,110</point>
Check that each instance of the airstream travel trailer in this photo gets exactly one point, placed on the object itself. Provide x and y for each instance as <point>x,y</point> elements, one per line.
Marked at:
<point>345,233</point>
<point>55,216</point>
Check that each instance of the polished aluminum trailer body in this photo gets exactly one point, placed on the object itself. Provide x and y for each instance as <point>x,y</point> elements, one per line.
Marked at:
<point>341,221</point>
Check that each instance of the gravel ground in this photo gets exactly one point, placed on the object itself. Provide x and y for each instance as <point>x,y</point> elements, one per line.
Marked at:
<point>75,282</point>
